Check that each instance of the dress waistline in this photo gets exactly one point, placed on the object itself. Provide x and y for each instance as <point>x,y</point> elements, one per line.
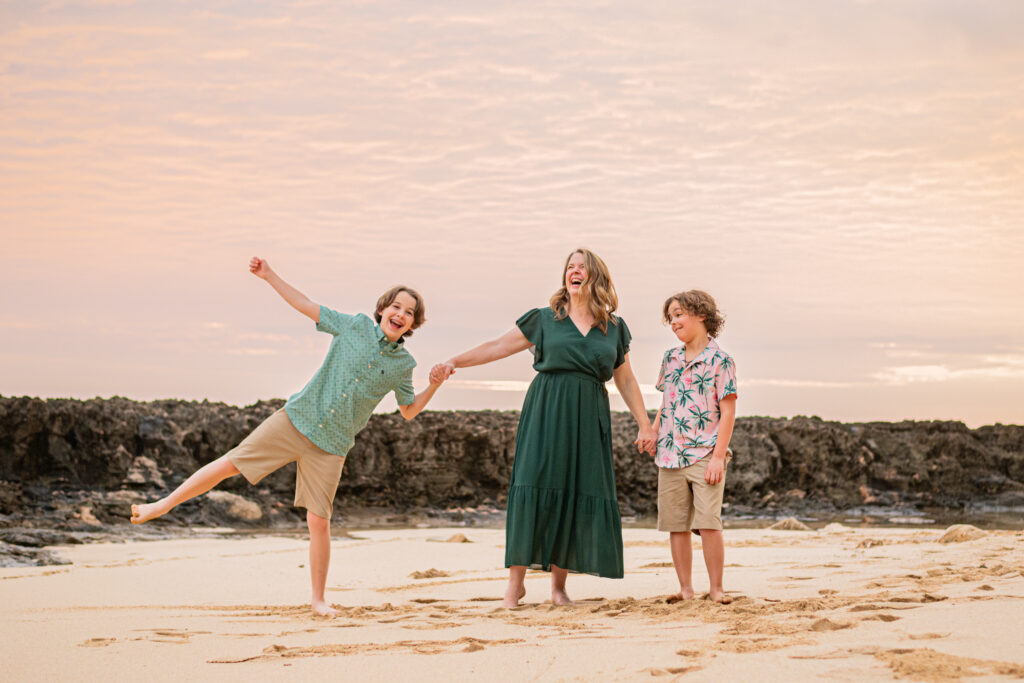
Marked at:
<point>573,373</point>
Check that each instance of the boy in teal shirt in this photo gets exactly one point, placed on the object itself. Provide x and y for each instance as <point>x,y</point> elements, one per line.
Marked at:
<point>317,426</point>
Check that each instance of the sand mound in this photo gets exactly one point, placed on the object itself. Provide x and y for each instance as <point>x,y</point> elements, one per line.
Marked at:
<point>958,533</point>
<point>835,528</point>
<point>458,538</point>
<point>790,524</point>
<point>429,574</point>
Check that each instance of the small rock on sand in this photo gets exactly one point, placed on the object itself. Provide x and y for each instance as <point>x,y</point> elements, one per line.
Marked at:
<point>458,538</point>
<point>958,533</point>
<point>235,506</point>
<point>790,524</point>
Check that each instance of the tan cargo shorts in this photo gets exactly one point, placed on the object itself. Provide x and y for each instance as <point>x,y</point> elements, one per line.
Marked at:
<point>686,502</point>
<point>274,444</point>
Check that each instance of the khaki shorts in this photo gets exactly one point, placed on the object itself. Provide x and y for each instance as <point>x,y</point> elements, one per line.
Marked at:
<point>686,502</point>
<point>274,444</point>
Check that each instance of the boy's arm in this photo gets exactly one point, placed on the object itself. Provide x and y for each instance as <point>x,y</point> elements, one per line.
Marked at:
<point>296,299</point>
<point>713,473</point>
<point>420,402</point>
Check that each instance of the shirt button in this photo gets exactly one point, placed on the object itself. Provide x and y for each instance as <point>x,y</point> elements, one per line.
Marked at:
<point>332,410</point>
<point>357,379</point>
<point>320,426</point>
<point>344,395</point>
<point>382,353</point>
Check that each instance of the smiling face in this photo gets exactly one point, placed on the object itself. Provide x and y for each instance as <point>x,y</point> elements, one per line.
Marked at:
<point>686,326</point>
<point>398,316</point>
<point>575,274</point>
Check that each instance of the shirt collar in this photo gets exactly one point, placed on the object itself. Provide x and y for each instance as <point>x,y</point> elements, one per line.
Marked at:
<point>703,357</point>
<point>383,341</point>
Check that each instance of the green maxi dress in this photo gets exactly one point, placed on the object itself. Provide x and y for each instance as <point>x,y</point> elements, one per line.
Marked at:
<point>562,507</point>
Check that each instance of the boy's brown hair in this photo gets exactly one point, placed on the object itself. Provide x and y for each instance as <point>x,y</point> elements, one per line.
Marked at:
<point>697,302</point>
<point>419,316</point>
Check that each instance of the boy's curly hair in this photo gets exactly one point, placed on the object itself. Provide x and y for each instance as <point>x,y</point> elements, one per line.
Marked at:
<point>697,302</point>
<point>419,315</point>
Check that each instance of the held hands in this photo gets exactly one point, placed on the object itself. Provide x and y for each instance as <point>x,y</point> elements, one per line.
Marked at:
<point>442,371</point>
<point>259,267</point>
<point>646,439</point>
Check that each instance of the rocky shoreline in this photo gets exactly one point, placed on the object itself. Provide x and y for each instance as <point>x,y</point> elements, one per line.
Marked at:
<point>70,469</point>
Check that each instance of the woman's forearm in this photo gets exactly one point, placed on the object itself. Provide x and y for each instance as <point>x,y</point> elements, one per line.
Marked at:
<point>504,346</point>
<point>629,389</point>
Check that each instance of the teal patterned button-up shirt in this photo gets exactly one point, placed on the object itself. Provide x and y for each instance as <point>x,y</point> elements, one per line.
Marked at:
<point>361,367</point>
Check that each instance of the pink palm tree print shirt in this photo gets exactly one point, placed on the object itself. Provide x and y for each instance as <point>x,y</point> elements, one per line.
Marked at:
<point>689,407</point>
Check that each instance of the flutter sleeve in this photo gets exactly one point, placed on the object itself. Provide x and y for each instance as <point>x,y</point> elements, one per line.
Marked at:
<point>622,347</point>
<point>531,325</point>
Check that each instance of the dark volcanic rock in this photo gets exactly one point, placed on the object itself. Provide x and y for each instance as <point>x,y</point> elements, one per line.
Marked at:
<point>75,465</point>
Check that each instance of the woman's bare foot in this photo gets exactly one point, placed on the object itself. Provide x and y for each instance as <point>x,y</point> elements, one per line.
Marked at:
<point>512,597</point>
<point>560,597</point>
<point>322,609</point>
<point>719,597</point>
<point>146,511</point>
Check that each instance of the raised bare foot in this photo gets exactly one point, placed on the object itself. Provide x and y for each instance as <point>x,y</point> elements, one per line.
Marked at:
<point>512,597</point>
<point>560,597</point>
<point>719,597</point>
<point>145,512</point>
<point>322,609</point>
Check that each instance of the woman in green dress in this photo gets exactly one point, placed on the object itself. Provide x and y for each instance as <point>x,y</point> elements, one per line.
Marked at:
<point>563,514</point>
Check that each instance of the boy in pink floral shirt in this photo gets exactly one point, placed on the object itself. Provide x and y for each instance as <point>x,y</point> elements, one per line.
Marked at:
<point>694,425</point>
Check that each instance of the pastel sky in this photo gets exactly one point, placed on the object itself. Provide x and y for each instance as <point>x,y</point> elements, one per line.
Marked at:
<point>845,177</point>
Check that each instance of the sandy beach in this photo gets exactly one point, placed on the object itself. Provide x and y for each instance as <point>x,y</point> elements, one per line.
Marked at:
<point>839,603</point>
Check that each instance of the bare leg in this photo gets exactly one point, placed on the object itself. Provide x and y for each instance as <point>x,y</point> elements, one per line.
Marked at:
<point>558,594</point>
<point>319,561</point>
<point>714,559</point>
<point>682,558</point>
<point>515,590</point>
<point>201,481</point>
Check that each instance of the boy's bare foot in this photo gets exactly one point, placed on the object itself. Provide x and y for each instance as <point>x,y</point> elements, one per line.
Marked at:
<point>560,597</point>
<point>684,594</point>
<point>322,609</point>
<point>720,598</point>
<point>145,512</point>
<point>512,599</point>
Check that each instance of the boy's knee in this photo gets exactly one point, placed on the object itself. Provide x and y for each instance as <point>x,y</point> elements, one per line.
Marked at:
<point>316,522</point>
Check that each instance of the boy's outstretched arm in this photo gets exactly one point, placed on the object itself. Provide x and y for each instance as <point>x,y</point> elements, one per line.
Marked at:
<point>420,402</point>
<point>299,301</point>
<point>713,473</point>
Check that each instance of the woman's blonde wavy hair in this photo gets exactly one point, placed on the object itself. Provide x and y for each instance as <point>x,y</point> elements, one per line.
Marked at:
<point>597,292</point>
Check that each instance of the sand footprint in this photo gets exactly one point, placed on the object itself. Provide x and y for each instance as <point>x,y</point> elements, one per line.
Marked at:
<point>97,642</point>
